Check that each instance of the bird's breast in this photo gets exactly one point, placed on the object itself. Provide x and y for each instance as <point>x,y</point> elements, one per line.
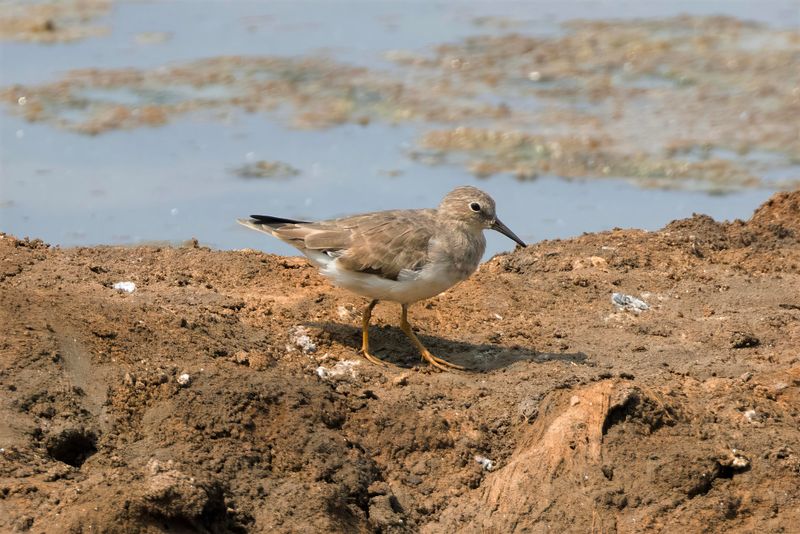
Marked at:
<point>458,252</point>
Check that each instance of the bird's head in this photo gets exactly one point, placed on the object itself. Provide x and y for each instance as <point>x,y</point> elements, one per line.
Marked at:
<point>473,207</point>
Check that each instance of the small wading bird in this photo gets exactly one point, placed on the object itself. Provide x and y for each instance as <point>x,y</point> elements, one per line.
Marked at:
<point>398,255</point>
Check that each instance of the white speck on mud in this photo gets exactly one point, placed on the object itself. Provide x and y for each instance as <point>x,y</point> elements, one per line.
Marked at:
<point>487,464</point>
<point>342,368</point>
<point>125,287</point>
<point>299,338</point>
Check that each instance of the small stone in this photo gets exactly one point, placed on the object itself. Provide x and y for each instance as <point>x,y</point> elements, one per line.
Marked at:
<point>486,463</point>
<point>735,460</point>
<point>752,415</point>
<point>629,303</point>
<point>125,287</point>
<point>382,514</point>
<point>413,480</point>
<point>608,471</point>
<point>529,409</point>
<point>241,357</point>
<point>400,381</point>
<point>345,369</point>
<point>379,488</point>
<point>740,462</point>
<point>184,379</point>
<point>743,340</point>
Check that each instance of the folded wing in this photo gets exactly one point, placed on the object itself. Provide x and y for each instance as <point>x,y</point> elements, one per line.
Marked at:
<point>389,244</point>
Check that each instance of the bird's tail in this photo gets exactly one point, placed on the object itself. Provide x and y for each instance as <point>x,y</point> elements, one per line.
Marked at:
<point>266,223</point>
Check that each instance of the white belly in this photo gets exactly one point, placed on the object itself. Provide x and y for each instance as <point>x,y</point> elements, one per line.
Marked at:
<point>408,288</point>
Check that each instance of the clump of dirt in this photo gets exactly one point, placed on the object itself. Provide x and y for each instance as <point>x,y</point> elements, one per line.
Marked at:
<point>226,393</point>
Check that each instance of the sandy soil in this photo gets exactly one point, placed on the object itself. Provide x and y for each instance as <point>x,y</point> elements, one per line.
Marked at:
<point>226,394</point>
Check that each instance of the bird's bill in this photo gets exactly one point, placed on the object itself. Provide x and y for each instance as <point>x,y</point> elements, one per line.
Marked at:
<point>503,229</point>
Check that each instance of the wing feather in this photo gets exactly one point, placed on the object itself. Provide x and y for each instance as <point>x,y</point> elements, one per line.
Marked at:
<point>390,244</point>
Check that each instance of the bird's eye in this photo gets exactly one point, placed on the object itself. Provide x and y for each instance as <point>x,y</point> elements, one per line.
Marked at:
<point>475,206</point>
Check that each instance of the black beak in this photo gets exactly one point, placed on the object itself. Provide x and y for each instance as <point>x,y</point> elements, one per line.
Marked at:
<point>503,229</point>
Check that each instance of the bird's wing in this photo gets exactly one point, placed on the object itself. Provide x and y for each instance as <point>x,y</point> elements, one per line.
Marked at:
<point>382,243</point>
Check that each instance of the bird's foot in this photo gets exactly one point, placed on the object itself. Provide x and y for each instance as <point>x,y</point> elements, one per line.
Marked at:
<point>373,359</point>
<point>439,363</point>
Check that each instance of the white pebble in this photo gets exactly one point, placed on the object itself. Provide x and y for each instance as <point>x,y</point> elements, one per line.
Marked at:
<point>487,464</point>
<point>740,462</point>
<point>342,368</point>
<point>628,302</point>
<point>126,287</point>
<point>184,379</point>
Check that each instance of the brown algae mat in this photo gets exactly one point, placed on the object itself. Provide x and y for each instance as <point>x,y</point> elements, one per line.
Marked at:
<point>226,394</point>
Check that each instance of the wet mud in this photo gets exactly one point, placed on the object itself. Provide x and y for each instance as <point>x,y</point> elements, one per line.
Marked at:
<point>225,392</point>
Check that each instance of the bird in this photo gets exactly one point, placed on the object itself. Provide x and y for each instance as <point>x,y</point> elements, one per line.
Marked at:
<point>402,256</point>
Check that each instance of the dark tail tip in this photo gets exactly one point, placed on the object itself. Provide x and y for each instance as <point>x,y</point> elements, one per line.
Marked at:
<point>269,219</point>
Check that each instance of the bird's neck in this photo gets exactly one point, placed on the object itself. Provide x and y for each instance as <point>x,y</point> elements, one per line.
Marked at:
<point>462,245</point>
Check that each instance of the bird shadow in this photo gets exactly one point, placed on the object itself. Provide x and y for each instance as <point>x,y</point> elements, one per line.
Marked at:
<point>391,345</point>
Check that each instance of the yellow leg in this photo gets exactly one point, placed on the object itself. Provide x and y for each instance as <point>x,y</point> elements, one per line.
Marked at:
<point>365,317</point>
<point>426,354</point>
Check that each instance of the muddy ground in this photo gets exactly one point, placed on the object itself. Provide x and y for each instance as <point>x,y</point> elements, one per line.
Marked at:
<point>226,394</point>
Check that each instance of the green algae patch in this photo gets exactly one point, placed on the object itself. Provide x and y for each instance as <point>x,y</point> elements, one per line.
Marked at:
<point>313,93</point>
<point>526,156</point>
<point>266,169</point>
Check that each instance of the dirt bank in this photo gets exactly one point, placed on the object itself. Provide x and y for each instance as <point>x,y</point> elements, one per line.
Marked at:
<point>225,394</point>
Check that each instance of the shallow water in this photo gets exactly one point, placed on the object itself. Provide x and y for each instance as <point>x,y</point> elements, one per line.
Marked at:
<point>177,181</point>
